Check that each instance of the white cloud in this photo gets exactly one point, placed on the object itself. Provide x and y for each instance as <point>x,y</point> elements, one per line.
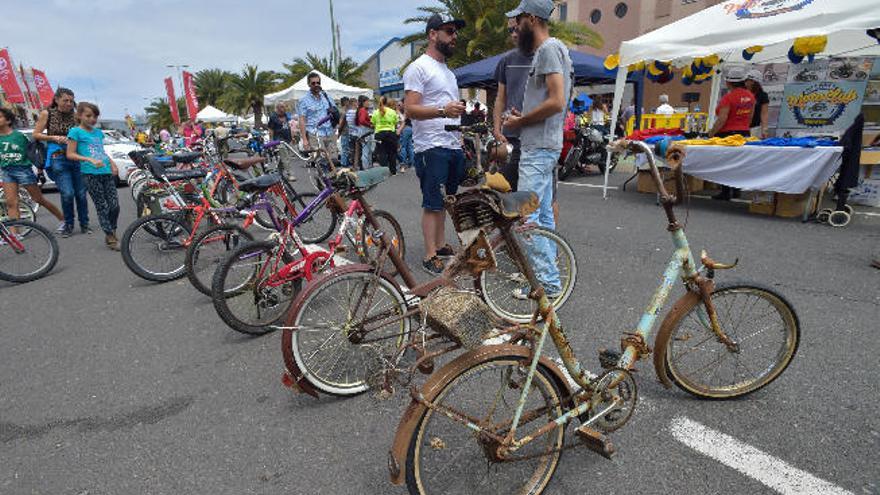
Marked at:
<point>122,47</point>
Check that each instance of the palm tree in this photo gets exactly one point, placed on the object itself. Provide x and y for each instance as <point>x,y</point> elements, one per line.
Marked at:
<point>247,89</point>
<point>347,71</point>
<point>485,33</point>
<point>159,113</point>
<point>211,84</point>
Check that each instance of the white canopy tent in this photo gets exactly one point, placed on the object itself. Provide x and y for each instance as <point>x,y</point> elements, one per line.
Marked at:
<point>333,88</point>
<point>212,114</point>
<point>728,28</point>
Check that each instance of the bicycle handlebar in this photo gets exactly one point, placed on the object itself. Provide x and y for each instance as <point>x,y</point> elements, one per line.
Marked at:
<point>472,129</point>
<point>622,145</point>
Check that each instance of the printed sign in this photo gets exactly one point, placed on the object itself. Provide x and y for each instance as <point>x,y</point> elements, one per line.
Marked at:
<point>390,77</point>
<point>758,9</point>
<point>827,106</point>
<point>808,72</point>
<point>849,69</point>
<point>774,74</point>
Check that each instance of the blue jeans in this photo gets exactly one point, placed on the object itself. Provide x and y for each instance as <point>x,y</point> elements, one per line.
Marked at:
<point>405,156</point>
<point>70,184</point>
<point>345,152</point>
<point>536,175</point>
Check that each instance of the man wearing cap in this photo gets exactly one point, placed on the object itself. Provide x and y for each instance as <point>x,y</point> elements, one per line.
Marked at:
<point>511,74</point>
<point>547,92</point>
<point>432,102</point>
<point>734,113</point>
<point>762,104</point>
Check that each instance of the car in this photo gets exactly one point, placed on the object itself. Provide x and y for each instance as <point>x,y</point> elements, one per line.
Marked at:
<point>117,147</point>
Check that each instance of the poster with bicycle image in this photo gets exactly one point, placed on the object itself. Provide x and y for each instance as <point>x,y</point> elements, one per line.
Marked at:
<point>808,72</point>
<point>849,69</point>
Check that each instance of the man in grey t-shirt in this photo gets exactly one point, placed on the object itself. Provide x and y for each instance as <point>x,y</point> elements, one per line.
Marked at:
<point>511,75</point>
<point>540,123</point>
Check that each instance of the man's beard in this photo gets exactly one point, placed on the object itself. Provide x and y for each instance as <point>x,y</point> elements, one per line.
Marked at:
<point>526,40</point>
<point>445,48</point>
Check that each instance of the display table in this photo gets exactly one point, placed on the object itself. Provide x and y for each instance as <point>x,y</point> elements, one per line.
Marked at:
<point>764,168</point>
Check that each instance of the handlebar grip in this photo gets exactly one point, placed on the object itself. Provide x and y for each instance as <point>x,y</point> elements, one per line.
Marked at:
<point>452,127</point>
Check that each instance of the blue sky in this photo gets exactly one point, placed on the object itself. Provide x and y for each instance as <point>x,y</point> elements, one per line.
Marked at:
<point>116,51</point>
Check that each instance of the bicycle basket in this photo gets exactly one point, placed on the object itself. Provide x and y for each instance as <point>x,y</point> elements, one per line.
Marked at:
<point>461,316</point>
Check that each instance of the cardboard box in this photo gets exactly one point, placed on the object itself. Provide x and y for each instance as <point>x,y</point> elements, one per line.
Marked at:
<point>763,203</point>
<point>791,205</point>
<point>646,184</point>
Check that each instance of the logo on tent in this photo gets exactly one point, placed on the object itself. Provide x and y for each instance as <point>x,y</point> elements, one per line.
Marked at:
<point>820,105</point>
<point>757,9</point>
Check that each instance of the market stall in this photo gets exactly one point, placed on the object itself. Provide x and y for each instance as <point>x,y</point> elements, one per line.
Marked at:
<point>762,32</point>
<point>214,115</point>
<point>335,89</point>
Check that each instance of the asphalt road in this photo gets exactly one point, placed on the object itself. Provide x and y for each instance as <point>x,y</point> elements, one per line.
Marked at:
<point>113,385</point>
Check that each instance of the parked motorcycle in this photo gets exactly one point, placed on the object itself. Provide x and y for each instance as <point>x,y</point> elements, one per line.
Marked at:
<point>589,148</point>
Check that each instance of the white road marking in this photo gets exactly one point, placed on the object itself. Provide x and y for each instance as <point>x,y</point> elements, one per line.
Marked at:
<point>750,461</point>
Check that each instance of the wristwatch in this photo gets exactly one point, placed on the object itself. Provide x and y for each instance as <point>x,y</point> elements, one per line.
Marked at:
<point>442,111</point>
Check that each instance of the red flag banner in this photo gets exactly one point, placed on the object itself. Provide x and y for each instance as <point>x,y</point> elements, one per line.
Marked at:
<point>32,98</point>
<point>189,91</point>
<point>44,89</point>
<point>172,101</point>
<point>8,81</point>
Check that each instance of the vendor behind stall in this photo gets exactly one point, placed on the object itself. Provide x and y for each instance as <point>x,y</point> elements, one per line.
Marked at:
<point>734,114</point>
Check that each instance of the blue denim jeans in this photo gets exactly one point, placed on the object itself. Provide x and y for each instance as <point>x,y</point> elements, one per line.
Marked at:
<point>406,156</point>
<point>536,175</point>
<point>70,184</point>
<point>345,152</point>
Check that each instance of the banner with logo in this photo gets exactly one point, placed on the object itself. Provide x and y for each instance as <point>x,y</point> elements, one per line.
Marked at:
<point>172,101</point>
<point>8,81</point>
<point>44,89</point>
<point>821,107</point>
<point>189,92</point>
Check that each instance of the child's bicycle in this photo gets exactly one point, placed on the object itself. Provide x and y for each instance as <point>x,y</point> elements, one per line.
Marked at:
<point>496,415</point>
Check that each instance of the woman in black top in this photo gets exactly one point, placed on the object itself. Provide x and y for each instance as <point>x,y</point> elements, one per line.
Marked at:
<point>762,102</point>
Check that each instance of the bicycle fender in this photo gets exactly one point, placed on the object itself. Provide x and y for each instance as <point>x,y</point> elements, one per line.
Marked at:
<point>294,377</point>
<point>671,320</point>
<point>397,456</point>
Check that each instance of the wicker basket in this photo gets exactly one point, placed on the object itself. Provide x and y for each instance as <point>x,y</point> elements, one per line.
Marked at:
<point>460,316</point>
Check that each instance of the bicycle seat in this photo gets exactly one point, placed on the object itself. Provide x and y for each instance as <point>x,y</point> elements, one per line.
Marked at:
<point>272,144</point>
<point>186,156</point>
<point>259,184</point>
<point>139,157</point>
<point>174,175</point>
<point>518,204</point>
<point>244,163</point>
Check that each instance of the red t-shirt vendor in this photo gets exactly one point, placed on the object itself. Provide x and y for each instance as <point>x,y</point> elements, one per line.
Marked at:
<point>734,112</point>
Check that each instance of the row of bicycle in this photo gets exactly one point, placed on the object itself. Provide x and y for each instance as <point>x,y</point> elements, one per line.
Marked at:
<point>354,319</point>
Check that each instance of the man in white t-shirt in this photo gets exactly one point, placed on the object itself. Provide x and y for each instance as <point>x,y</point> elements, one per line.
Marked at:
<point>665,108</point>
<point>432,102</point>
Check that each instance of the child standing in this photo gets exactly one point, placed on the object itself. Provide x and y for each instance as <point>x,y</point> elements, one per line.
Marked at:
<point>85,144</point>
<point>16,170</point>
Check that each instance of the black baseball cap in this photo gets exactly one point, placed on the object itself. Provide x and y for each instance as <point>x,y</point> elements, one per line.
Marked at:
<point>436,21</point>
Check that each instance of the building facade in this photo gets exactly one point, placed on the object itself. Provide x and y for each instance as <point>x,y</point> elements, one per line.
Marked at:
<point>385,67</point>
<point>620,20</point>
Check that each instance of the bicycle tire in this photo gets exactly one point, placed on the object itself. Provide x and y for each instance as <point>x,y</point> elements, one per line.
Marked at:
<point>305,317</point>
<point>320,225</point>
<point>35,232</point>
<point>164,234</point>
<point>570,164</point>
<point>25,212</point>
<point>496,287</point>
<point>776,304</point>
<point>280,299</point>
<point>371,251</point>
<point>200,271</point>
<point>469,453</point>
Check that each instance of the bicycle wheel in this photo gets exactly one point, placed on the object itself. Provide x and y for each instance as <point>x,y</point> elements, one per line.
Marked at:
<point>760,321</point>
<point>498,286</point>
<point>208,250</point>
<point>317,227</point>
<point>326,314</point>
<point>246,292</point>
<point>447,457</point>
<point>25,212</point>
<point>154,247</point>
<point>29,256</point>
<point>390,227</point>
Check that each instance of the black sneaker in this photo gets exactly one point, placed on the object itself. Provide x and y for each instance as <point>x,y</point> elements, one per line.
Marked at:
<point>67,231</point>
<point>85,229</point>
<point>446,251</point>
<point>433,265</point>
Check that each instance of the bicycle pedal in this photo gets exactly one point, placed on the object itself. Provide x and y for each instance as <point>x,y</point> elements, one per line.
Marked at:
<point>596,441</point>
<point>608,359</point>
